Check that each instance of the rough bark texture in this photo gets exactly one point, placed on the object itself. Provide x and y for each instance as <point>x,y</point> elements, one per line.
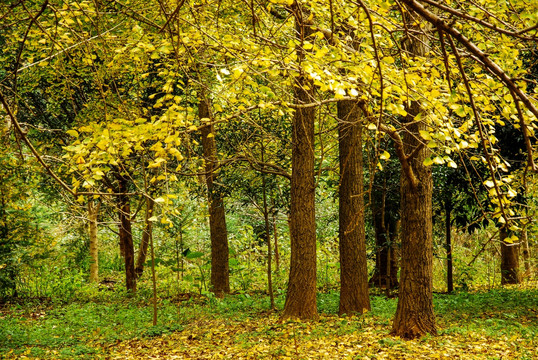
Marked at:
<point>414,314</point>
<point>353,270</point>
<point>146,235</point>
<point>509,260</point>
<point>126,235</point>
<point>301,294</point>
<point>220,273</point>
<point>93,211</point>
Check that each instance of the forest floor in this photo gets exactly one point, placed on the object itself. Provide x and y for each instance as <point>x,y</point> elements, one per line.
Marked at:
<point>493,324</point>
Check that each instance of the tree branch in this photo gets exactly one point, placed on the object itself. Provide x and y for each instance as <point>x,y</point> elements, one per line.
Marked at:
<point>489,64</point>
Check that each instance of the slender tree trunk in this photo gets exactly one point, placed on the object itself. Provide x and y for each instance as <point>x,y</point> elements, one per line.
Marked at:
<point>220,277</point>
<point>267,237</point>
<point>353,269</point>
<point>93,211</point>
<point>277,254</point>
<point>509,260</point>
<point>393,255</point>
<point>301,294</point>
<point>414,314</point>
<point>146,235</point>
<point>526,251</point>
<point>153,279</point>
<point>448,234</point>
<point>126,235</point>
<point>386,233</point>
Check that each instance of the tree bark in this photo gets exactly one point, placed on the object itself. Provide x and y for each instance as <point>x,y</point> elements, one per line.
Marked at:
<point>93,211</point>
<point>301,295</point>
<point>146,235</point>
<point>509,260</point>
<point>448,234</point>
<point>353,269</point>
<point>220,273</point>
<point>414,314</point>
<point>126,234</point>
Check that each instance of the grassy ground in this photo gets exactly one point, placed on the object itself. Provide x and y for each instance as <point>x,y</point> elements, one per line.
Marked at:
<point>495,324</point>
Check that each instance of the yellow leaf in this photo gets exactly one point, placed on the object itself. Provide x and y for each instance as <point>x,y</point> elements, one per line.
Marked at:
<point>428,162</point>
<point>425,134</point>
<point>384,156</point>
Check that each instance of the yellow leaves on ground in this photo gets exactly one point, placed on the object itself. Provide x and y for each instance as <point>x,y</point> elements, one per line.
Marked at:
<point>330,338</point>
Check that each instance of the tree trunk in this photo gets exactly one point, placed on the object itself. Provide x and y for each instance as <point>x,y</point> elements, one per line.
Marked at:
<point>526,251</point>
<point>414,314</point>
<point>126,235</point>
<point>509,260</point>
<point>277,254</point>
<point>267,237</point>
<point>146,235</point>
<point>448,234</point>
<point>386,232</point>
<point>220,277</point>
<point>353,269</point>
<point>93,211</point>
<point>301,294</point>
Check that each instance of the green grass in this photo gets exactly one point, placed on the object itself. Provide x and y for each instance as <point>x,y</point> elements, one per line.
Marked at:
<point>83,329</point>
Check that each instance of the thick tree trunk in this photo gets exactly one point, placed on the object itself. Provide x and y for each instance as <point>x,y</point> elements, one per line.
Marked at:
<point>93,211</point>
<point>220,277</point>
<point>126,234</point>
<point>509,260</point>
<point>301,294</point>
<point>414,314</point>
<point>448,234</point>
<point>146,235</point>
<point>353,270</point>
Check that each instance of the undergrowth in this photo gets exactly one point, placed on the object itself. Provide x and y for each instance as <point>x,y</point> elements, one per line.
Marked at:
<point>96,327</point>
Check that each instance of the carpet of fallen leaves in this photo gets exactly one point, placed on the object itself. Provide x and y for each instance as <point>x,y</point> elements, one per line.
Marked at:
<point>330,338</point>
<point>496,325</point>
